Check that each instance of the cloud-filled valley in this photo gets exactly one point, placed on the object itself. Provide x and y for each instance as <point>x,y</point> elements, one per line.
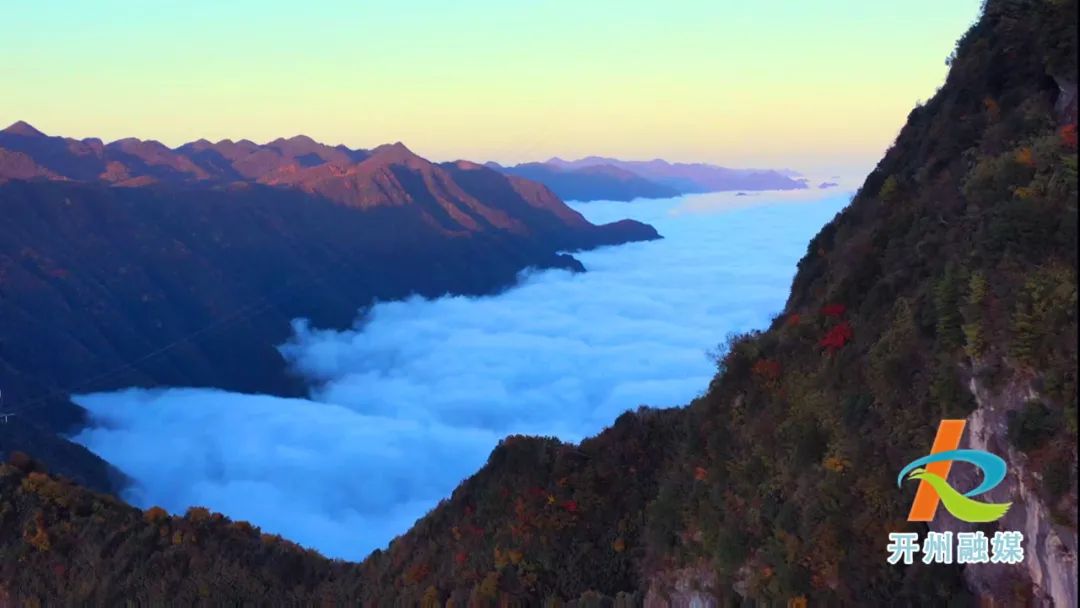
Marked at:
<point>414,397</point>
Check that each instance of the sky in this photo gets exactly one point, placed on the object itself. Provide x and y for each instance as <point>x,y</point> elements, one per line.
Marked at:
<point>414,397</point>
<point>780,83</point>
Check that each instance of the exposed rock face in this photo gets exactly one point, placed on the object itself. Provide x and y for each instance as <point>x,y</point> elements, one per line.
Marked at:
<point>1066,103</point>
<point>684,588</point>
<point>1048,575</point>
<point>1049,569</point>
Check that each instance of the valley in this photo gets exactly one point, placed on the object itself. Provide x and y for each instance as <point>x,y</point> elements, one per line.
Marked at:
<point>409,401</point>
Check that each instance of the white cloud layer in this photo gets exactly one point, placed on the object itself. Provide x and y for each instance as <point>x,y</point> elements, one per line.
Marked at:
<point>412,400</point>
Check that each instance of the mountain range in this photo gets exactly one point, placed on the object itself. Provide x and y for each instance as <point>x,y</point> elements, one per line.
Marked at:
<point>602,178</point>
<point>134,264</point>
<point>947,289</point>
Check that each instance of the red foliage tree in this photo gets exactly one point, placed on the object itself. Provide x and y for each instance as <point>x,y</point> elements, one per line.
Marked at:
<point>767,370</point>
<point>837,337</point>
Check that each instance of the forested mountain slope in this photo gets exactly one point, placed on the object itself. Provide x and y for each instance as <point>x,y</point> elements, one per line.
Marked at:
<point>946,289</point>
<point>951,276</point>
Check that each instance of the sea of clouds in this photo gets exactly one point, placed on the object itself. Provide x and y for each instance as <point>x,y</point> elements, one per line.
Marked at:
<point>412,399</point>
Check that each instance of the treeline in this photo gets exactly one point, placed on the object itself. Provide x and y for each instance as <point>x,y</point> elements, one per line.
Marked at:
<point>63,544</point>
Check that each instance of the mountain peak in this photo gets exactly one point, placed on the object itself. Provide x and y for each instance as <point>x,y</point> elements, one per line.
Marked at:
<point>395,152</point>
<point>467,165</point>
<point>23,128</point>
<point>295,139</point>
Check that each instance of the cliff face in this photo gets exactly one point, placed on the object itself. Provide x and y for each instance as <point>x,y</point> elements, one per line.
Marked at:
<point>1050,540</point>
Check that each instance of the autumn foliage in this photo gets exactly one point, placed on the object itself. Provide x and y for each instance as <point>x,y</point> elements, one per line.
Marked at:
<point>155,514</point>
<point>61,544</point>
<point>837,337</point>
<point>1068,136</point>
<point>767,370</point>
<point>833,310</point>
<point>1024,156</point>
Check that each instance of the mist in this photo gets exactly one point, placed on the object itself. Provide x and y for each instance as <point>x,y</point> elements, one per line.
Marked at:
<point>412,399</point>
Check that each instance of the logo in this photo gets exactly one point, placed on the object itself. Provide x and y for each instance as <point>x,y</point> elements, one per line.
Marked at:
<point>932,471</point>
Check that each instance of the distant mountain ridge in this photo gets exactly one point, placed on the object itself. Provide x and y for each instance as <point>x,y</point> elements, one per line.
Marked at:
<point>299,161</point>
<point>150,161</point>
<point>132,263</point>
<point>605,178</point>
<point>456,197</point>
<point>596,182</point>
<point>693,177</point>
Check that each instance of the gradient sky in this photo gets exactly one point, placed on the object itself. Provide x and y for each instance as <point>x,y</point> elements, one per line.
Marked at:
<point>816,86</point>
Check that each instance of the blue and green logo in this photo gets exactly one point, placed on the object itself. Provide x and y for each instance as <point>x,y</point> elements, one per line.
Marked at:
<point>932,471</point>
